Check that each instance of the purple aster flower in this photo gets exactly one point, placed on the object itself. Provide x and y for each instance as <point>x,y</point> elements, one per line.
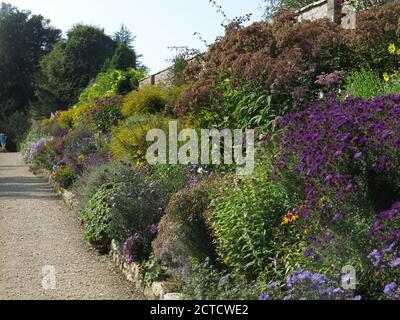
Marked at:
<point>349,187</point>
<point>390,287</point>
<point>318,278</point>
<point>153,229</point>
<point>308,253</point>
<point>273,285</point>
<point>376,257</point>
<point>328,178</point>
<point>304,275</point>
<point>386,134</point>
<point>126,250</point>
<point>390,248</point>
<point>395,263</point>
<point>358,155</point>
<point>264,297</point>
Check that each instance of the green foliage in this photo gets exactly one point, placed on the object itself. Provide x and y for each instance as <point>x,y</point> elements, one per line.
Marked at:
<point>64,176</point>
<point>87,185</point>
<point>105,113</point>
<point>124,58</point>
<point>153,271</point>
<point>124,37</point>
<point>15,126</point>
<point>46,156</point>
<point>67,70</point>
<point>183,231</point>
<point>242,107</point>
<point>139,204</point>
<point>24,39</point>
<point>129,139</point>
<point>245,216</point>
<point>206,282</point>
<point>364,84</point>
<point>149,99</point>
<point>97,217</point>
<point>367,84</point>
<point>179,63</point>
<point>111,83</point>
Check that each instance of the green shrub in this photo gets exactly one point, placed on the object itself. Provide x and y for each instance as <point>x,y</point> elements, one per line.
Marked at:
<point>112,83</point>
<point>140,203</point>
<point>124,58</point>
<point>368,84</point>
<point>246,216</point>
<point>15,125</point>
<point>97,216</point>
<point>121,202</point>
<point>88,184</point>
<point>153,271</point>
<point>183,232</point>
<point>206,282</point>
<point>46,155</point>
<point>129,142</point>
<point>149,99</point>
<point>365,84</point>
<point>64,176</point>
<point>246,106</point>
<point>105,113</point>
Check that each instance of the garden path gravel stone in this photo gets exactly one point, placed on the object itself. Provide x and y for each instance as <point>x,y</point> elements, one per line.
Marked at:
<point>37,230</point>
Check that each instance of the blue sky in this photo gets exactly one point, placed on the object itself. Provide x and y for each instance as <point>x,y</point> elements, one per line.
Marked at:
<point>157,24</point>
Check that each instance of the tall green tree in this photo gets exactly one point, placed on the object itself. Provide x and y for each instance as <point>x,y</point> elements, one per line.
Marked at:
<point>124,36</point>
<point>69,68</point>
<point>24,39</point>
<point>123,58</point>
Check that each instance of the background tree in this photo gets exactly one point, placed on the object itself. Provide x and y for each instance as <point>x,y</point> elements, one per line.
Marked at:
<point>24,39</point>
<point>123,58</point>
<point>69,68</point>
<point>125,39</point>
<point>124,36</point>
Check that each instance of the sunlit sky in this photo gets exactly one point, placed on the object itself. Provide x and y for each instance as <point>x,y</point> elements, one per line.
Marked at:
<point>157,24</point>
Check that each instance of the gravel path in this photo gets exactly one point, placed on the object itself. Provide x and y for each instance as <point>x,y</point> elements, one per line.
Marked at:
<point>39,235</point>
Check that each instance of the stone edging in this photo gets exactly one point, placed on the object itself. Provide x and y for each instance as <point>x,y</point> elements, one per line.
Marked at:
<point>157,291</point>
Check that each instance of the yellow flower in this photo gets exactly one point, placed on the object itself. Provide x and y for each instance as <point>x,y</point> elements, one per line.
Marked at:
<point>81,158</point>
<point>398,52</point>
<point>386,77</point>
<point>290,217</point>
<point>392,48</point>
<point>323,199</point>
<point>285,220</point>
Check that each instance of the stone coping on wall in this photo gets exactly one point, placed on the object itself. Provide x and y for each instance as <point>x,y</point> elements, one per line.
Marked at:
<point>311,6</point>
